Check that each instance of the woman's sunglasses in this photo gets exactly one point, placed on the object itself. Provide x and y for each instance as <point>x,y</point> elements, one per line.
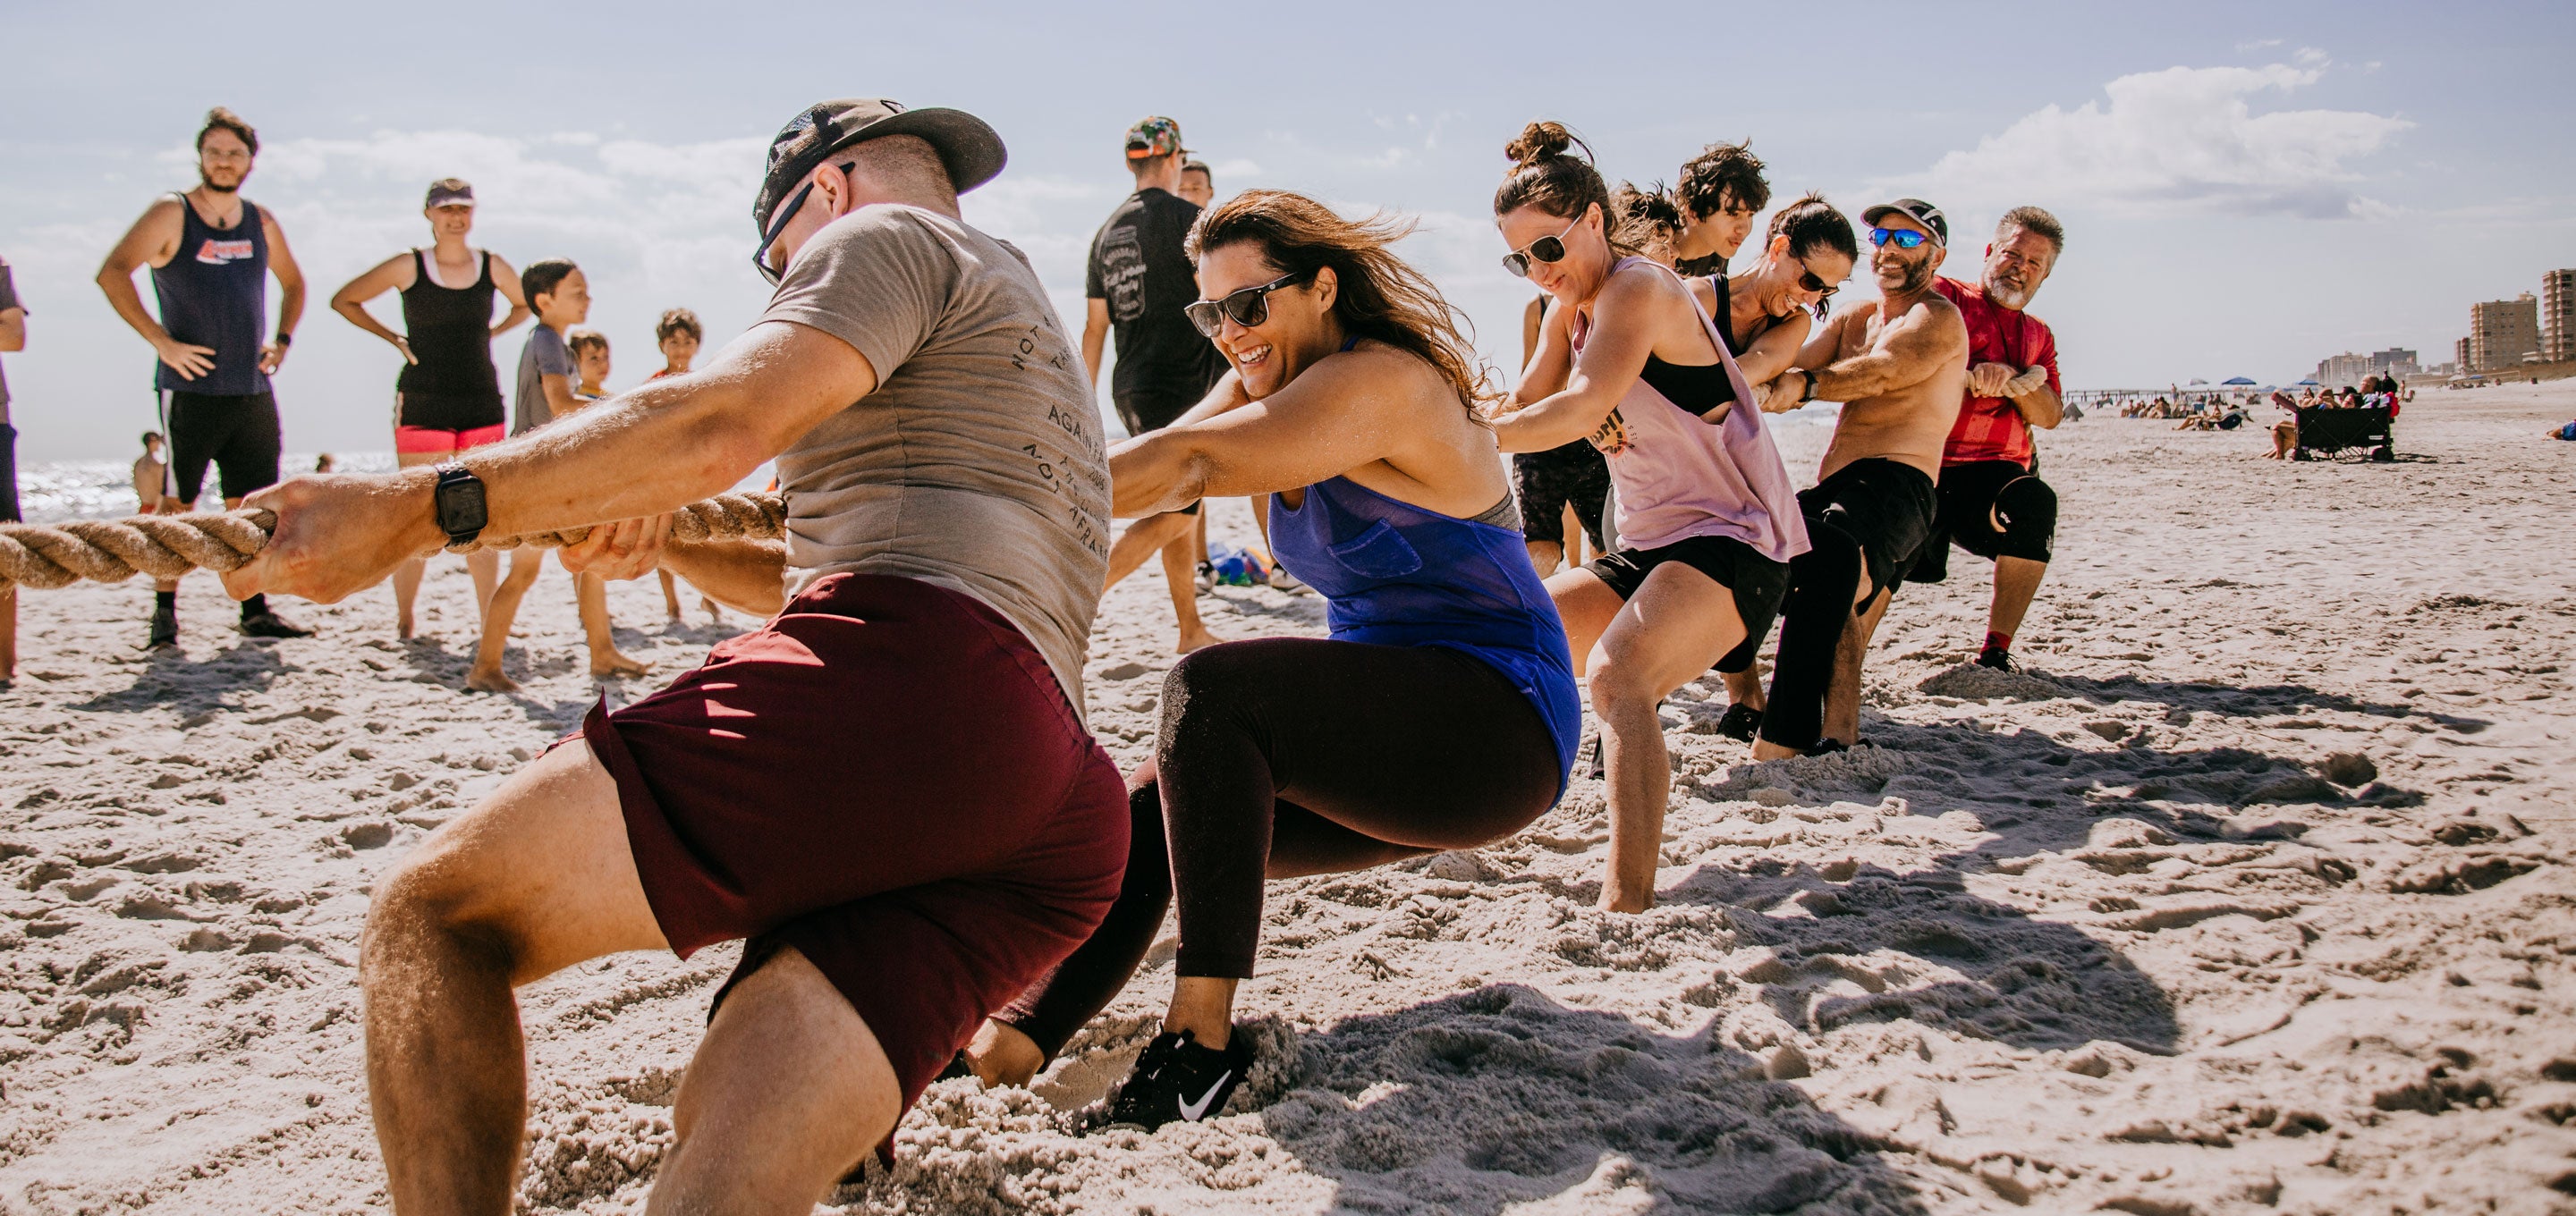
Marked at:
<point>1903,238</point>
<point>1249,307</point>
<point>1550,249</point>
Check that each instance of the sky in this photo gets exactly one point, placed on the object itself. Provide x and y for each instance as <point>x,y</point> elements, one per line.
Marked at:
<point>2247,187</point>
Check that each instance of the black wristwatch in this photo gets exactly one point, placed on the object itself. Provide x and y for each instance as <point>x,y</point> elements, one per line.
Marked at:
<point>285,339</point>
<point>459,498</point>
<point>1807,389</point>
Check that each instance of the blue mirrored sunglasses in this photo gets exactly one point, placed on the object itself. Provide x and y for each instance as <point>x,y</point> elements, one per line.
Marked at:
<point>1905,238</point>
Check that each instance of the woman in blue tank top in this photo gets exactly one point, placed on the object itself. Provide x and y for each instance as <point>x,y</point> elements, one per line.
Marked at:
<point>1442,712</point>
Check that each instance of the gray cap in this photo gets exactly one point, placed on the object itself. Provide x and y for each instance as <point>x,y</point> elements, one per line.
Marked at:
<point>449,192</point>
<point>969,148</point>
<point>1917,210</point>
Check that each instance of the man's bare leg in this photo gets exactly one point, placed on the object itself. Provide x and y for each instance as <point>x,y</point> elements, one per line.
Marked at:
<point>590,592</point>
<point>1842,697</point>
<point>786,1094</point>
<point>2016,585</point>
<point>535,879</point>
<point>1678,623</point>
<point>671,596</point>
<point>406,593</point>
<point>8,633</point>
<point>1745,687</point>
<point>498,616</point>
<point>1180,572</point>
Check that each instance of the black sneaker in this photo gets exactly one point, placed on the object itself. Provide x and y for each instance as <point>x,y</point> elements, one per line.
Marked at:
<point>2000,660</point>
<point>1741,722</point>
<point>165,627</point>
<point>1176,1080</point>
<point>271,625</point>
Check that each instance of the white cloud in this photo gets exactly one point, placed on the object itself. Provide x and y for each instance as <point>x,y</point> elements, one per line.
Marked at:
<point>2179,140</point>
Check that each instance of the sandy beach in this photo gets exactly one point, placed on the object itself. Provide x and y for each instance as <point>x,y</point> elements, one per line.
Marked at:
<point>2251,895</point>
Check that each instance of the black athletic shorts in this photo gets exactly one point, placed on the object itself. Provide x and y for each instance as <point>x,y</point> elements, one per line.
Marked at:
<point>9,475</point>
<point>1758,582</point>
<point>238,435</point>
<point>1968,512</point>
<point>1575,475</point>
<point>1886,507</point>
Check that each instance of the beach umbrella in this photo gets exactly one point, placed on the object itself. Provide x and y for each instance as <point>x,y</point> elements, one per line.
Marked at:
<point>2238,380</point>
<point>2310,382</point>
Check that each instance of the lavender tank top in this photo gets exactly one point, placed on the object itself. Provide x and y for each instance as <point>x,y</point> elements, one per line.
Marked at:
<point>1679,476</point>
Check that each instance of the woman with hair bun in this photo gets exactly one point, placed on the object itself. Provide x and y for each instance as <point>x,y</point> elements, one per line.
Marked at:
<point>1442,712</point>
<point>1706,515</point>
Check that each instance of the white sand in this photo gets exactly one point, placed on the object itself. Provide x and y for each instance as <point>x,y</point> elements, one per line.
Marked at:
<point>2118,933</point>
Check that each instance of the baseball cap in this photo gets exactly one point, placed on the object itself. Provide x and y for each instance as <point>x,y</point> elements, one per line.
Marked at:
<point>450,192</point>
<point>1917,210</point>
<point>1154,135</point>
<point>969,148</point>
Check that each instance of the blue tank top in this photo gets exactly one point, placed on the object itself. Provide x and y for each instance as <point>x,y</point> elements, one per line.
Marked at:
<point>214,293</point>
<point>1394,574</point>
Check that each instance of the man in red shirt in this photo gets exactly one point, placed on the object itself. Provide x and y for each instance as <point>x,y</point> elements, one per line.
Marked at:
<point>1992,500</point>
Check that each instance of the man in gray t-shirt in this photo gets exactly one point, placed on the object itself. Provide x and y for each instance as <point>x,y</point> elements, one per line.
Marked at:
<point>887,788</point>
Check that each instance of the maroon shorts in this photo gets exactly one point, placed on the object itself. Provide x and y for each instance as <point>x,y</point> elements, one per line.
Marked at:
<point>887,778</point>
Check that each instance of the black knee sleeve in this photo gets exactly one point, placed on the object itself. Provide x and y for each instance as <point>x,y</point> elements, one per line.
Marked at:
<point>2027,509</point>
<point>1823,581</point>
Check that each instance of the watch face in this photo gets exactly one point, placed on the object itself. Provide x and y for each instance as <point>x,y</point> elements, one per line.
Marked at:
<point>460,507</point>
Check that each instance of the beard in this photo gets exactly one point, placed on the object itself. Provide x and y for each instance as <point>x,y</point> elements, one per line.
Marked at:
<point>1916,276</point>
<point>216,186</point>
<point>2009,296</point>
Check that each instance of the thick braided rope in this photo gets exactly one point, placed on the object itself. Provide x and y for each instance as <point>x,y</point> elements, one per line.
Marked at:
<point>167,546</point>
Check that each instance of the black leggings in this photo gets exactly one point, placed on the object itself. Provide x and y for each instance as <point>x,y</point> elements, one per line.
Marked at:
<point>1289,756</point>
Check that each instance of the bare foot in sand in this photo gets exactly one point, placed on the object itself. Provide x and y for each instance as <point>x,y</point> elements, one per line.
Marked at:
<point>614,663</point>
<point>481,680</point>
<point>1196,640</point>
<point>402,625</point>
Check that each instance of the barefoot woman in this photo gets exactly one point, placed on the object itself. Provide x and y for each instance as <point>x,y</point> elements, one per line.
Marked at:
<point>447,399</point>
<point>1441,714</point>
<point>1705,511</point>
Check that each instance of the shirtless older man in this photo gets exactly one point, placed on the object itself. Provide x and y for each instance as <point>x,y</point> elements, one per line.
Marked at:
<point>887,788</point>
<point>1897,364</point>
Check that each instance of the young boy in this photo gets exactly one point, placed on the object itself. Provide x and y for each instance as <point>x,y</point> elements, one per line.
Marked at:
<point>150,474</point>
<point>678,334</point>
<point>590,354</point>
<point>559,294</point>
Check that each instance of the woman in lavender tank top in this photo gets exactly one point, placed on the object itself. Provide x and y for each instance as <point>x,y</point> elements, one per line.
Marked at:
<point>1706,511</point>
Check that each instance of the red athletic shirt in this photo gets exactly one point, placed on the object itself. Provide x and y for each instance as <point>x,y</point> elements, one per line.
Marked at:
<point>1992,428</point>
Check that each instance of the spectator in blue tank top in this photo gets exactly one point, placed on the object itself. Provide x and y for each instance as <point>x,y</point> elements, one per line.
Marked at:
<point>211,252</point>
<point>1442,712</point>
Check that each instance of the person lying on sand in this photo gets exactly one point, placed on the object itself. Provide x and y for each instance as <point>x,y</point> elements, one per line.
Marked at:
<point>1442,712</point>
<point>887,788</point>
<point>1708,521</point>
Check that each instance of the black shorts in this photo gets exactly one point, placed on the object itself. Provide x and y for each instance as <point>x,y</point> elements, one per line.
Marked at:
<point>240,436</point>
<point>1886,507</point>
<point>9,474</point>
<point>1758,582</point>
<point>1575,475</point>
<point>1969,510</point>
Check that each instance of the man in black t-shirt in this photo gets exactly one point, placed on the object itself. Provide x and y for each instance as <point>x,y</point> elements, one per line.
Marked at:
<point>1138,283</point>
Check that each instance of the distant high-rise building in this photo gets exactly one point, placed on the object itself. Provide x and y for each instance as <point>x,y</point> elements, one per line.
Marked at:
<point>2501,332</point>
<point>2344,370</point>
<point>2393,362</point>
<point>2558,315</point>
<point>2460,364</point>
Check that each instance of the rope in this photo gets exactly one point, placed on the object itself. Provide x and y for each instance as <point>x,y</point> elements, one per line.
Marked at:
<point>167,546</point>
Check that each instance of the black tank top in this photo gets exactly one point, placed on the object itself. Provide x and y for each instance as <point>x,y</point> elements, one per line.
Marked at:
<point>214,293</point>
<point>1696,389</point>
<point>454,386</point>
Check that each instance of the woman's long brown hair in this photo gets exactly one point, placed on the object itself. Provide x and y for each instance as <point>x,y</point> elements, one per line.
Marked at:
<point>1379,296</point>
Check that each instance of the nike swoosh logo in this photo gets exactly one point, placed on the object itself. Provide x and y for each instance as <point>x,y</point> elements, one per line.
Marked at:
<point>1194,1111</point>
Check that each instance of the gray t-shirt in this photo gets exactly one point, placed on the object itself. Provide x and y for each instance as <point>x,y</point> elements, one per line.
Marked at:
<point>977,464</point>
<point>544,355</point>
<point>8,300</point>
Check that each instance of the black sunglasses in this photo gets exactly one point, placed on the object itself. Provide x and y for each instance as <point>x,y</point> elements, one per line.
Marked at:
<point>1550,249</point>
<point>777,224</point>
<point>1248,307</point>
